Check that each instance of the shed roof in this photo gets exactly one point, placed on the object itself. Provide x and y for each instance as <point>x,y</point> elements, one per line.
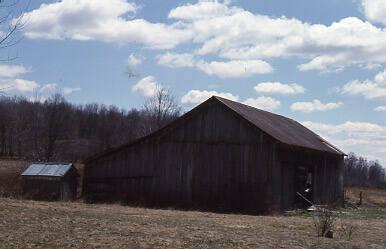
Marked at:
<point>47,169</point>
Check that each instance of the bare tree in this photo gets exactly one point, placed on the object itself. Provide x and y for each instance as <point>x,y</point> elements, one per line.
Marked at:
<point>13,19</point>
<point>11,23</point>
<point>54,118</point>
<point>160,109</point>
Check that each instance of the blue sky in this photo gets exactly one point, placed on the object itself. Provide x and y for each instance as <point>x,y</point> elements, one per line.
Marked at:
<point>319,62</point>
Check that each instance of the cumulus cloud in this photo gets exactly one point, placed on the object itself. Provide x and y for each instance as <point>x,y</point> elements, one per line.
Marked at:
<point>381,108</point>
<point>175,60</point>
<point>368,139</point>
<point>237,34</point>
<point>12,71</point>
<point>20,85</point>
<point>203,10</point>
<point>375,10</point>
<point>109,21</point>
<point>70,90</point>
<point>48,88</point>
<point>194,97</point>
<point>134,60</point>
<point>222,69</point>
<point>315,106</point>
<point>262,102</point>
<point>146,87</point>
<point>221,29</point>
<point>370,89</point>
<point>235,68</point>
<point>279,88</point>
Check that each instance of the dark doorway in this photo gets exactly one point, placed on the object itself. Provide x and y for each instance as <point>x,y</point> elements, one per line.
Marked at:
<point>303,186</point>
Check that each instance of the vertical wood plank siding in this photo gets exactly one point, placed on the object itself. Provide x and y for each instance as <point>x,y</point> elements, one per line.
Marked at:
<point>212,160</point>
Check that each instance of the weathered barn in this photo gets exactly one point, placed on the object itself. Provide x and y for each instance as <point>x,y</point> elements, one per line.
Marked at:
<point>50,181</point>
<point>223,156</point>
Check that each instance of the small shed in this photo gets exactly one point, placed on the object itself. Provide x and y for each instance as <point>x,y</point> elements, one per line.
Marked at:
<point>50,181</point>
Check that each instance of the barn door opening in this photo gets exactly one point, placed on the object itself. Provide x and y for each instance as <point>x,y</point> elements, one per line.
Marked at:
<point>303,186</point>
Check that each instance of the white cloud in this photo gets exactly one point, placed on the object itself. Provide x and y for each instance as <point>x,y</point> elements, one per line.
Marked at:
<point>203,10</point>
<point>235,68</point>
<point>237,34</point>
<point>375,10</point>
<point>370,89</point>
<point>48,88</point>
<point>314,106</point>
<point>40,99</point>
<point>381,108</point>
<point>174,60</point>
<point>279,88</point>
<point>134,60</point>
<point>70,90</point>
<point>363,138</point>
<point>146,87</point>
<point>222,69</point>
<point>20,85</point>
<point>262,102</point>
<point>194,97</point>
<point>12,71</point>
<point>109,21</point>
<point>221,29</point>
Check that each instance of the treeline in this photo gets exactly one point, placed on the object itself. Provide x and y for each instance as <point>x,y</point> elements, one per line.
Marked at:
<point>360,172</point>
<point>56,130</point>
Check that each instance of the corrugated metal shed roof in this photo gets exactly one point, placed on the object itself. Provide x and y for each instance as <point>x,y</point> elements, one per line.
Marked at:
<point>47,169</point>
<point>284,129</point>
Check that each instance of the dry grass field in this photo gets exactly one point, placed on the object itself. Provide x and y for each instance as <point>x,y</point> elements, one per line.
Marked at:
<point>10,171</point>
<point>32,224</point>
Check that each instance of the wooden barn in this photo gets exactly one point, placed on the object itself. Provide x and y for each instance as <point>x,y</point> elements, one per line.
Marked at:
<point>50,181</point>
<point>221,156</point>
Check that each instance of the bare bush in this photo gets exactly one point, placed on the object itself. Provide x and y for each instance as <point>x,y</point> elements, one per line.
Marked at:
<point>324,222</point>
<point>347,229</point>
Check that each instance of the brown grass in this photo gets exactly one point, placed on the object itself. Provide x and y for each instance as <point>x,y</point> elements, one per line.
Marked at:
<point>370,196</point>
<point>10,180</point>
<point>27,224</point>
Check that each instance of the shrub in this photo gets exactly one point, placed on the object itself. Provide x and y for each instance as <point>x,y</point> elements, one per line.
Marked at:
<point>324,222</point>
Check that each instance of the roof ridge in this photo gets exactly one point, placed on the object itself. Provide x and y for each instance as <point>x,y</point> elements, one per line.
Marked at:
<point>270,123</point>
<point>249,106</point>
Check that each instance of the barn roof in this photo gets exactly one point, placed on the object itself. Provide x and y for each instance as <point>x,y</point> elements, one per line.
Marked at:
<point>47,169</point>
<point>283,129</point>
<point>286,130</point>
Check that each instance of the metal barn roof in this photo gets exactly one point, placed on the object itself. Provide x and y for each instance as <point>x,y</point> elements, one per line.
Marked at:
<point>284,129</point>
<point>47,169</point>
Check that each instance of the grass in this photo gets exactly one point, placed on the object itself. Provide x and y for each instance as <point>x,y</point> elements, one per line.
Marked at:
<point>31,224</point>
